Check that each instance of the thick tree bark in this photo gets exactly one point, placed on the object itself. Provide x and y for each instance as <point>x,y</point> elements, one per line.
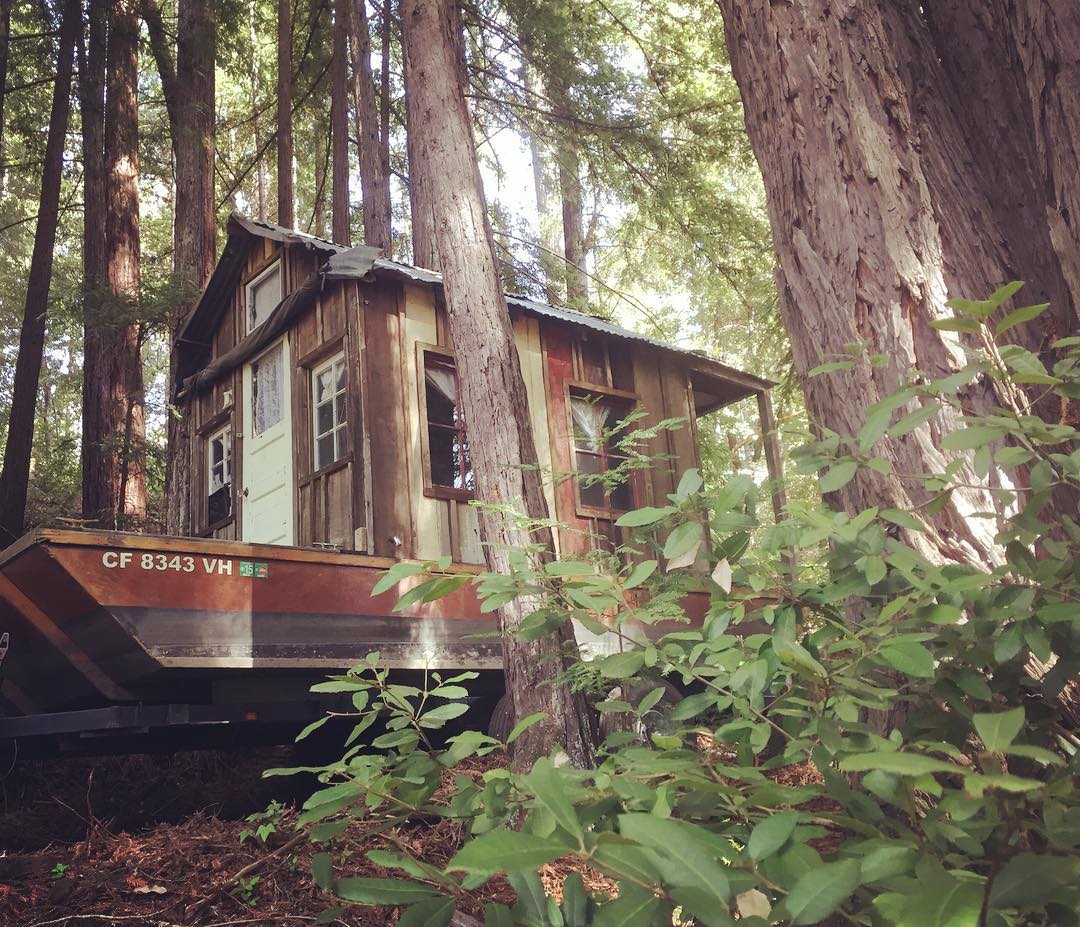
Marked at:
<point>573,223</point>
<point>286,210</point>
<point>1046,39</point>
<point>493,391</point>
<point>987,91</point>
<point>862,254</point>
<point>194,228</point>
<point>374,170</point>
<point>15,476</point>
<point>116,473</point>
<point>339,124</point>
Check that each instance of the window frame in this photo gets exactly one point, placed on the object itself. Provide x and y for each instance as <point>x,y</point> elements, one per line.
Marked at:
<point>275,265</point>
<point>577,389</point>
<point>214,432</point>
<point>431,489</point>
<point>338,356</point>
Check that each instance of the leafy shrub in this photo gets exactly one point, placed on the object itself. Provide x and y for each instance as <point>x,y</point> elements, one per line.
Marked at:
<point>966,813</point>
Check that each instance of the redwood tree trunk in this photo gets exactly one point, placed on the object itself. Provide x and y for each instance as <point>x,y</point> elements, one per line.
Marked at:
<point>374,172</point>
<point>493,391</point>
<point>573,223</point>
<point>425,247</point>
<point>339,125</point>
<point>866,252</point>
<point>117,471</point>
<point>286,212</point>
<point>95,269</point>
<point>194,228</point>
<point>15,476</point>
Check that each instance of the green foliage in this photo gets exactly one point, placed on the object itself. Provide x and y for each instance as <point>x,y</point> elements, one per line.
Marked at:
<point>947,773</point>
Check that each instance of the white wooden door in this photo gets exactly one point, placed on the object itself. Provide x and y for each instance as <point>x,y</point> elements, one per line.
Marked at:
<point>267,514</point>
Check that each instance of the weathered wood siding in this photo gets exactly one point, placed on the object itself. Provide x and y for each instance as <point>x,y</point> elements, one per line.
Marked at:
<point>376,499</point>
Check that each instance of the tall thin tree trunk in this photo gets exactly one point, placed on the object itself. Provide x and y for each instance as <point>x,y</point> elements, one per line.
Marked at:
<point>573,222</point>
<point>339,124</point>
<point>374,175</point>
<point>253,88</point>
<point>123,477</point>
<point>384,92</point>
<point>5,38</point>
<point>425,247</point>
<point>96,358</point>
<point>548,237</point>
<point>194,229</point>
<point>15,475</point>
<point>286,211</point>
<point>493,391</point>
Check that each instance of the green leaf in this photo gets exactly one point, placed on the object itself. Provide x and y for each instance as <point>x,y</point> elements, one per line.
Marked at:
<point>1019,316</point>
<point>682,539</point>
<point>550,791</point>
<point>818,893</point>
<point>914,419</point>
<point>838,475</point>
<point>678,842</point>
<point>771,833</point>
<point>395,574</point>
<point>903,519</point>
<point>690,483</point>
<point>497,915</point>
<point>432,912</point>
<point>621,665</point>
<point>381,891</point>
<point>910,657</point>
<point>396,739</point>
<point>887,862</point>
<point>311,728</point>
<point>999,729</point>
<point>899,764</point>
<point>648,515</point>
<point>523,725</point>
<point>575,903</point>
<point>437,717</point>
<point>445,691</point>
<point>506,851</point>
<point>1033,878</point>
<point>634,907</point>
<point>965,439</point>
<point>641,572</point>
<point>322,869</point>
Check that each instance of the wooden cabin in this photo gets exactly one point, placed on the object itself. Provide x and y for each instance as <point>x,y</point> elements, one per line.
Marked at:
<point>323,402</point>
<point>319,391</point>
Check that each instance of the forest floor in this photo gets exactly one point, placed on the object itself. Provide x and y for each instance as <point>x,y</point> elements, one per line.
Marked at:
<point>158,841</point>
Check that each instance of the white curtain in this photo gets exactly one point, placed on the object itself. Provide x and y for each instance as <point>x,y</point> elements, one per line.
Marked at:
<point>443,381</point>
<point>268,390</point>
<point>590,420</point>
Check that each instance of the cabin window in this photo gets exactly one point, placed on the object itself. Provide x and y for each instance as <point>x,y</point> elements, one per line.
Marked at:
<point>595,418</point>
<point>263,295</point>
<point>267,390</point>
<point>219,485</point>
<point>329,411</point>
<point>448,467</point>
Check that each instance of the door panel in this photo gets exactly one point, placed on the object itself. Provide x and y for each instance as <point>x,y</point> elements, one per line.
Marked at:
<point>268,449</point>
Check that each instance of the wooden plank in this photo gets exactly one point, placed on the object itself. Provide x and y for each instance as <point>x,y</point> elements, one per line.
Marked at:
<point>673,384</point>
<point>651,397</point>
<point>338,502</point>
<point>359,433</point>
<point>391,510</point>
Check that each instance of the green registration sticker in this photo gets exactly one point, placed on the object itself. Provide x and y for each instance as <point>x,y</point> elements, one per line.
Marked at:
<point>257,570</point>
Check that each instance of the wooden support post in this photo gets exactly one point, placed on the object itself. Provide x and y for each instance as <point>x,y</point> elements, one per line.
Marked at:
<point>773,460</point>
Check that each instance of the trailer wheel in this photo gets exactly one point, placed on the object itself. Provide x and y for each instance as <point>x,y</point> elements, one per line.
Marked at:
<point>501,722</point>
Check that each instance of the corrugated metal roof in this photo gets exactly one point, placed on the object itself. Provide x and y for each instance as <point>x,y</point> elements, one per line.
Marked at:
<point>573,317</point>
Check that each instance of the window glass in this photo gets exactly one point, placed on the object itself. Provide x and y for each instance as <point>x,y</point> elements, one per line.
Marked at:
<point>219,486</point>
<point>330,411</point>
<point>448,443</point>
<point>263,296</point>
<point>595,420</point>
<point>267,390</point>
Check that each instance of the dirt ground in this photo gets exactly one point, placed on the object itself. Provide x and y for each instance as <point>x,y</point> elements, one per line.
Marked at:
<point>156,841</point>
